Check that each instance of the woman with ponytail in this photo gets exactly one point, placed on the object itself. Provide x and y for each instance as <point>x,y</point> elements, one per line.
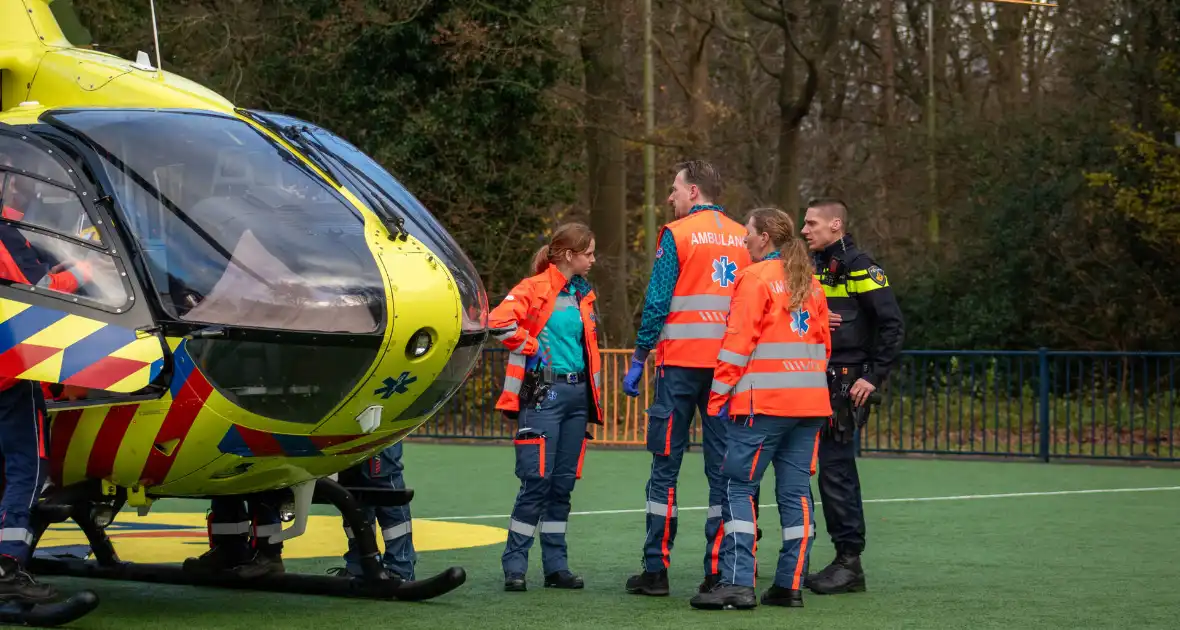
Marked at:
<point>771,386</point>
<point>551,390</point>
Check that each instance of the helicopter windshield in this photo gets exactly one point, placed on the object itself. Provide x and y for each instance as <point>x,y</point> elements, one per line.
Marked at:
<point>234,229</point>
<point>420,223</point>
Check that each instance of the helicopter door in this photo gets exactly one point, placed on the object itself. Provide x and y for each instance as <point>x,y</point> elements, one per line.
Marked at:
<point>72,313</point>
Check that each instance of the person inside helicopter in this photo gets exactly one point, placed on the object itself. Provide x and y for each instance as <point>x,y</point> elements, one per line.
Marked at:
<point>23,438</point>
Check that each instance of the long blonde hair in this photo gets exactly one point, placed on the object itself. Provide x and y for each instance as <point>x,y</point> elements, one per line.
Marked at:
<point>796,262</point>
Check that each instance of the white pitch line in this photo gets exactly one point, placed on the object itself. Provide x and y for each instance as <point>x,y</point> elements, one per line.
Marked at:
<point>960,497</point>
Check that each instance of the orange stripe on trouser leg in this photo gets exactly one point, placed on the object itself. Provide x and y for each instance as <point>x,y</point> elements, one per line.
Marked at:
<point>754,514</point>
<point>667,528</point>
<point>581,459</point>
<point>668,434</point>
<point>715,554</point>
<point>802,545</point>
<point>541,460</point>
<point>754,464</point>
<point>41,434</point>
<point>815,452</point>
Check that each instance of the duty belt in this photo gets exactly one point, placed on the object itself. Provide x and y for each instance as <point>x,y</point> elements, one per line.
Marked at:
<point>571,378</point>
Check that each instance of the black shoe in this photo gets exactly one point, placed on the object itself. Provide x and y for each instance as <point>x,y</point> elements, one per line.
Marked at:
<point>648,583</point>
<point>779,596</point>
<point>844,575</point>
<point>17,585</point>
<point>260,565</point>
<point>725,597</point>
<point>515,583</point>
<point>216,560</point>
<point>710,580</point>
<point>563,579</point>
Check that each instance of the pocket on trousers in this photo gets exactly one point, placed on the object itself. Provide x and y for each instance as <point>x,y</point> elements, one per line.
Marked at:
<point>743,453</point>
<point>582,455</point>
<point>530,456</point>
<point>659,430</point>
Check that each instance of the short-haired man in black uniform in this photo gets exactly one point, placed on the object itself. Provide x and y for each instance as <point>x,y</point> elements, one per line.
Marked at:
<point>866,343</point>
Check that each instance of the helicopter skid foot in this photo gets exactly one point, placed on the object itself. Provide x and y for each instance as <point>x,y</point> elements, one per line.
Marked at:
<point>49,614</point>
<point>383,589</point>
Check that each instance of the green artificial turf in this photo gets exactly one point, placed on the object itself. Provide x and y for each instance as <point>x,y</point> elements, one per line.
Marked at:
<point>1096,560</point>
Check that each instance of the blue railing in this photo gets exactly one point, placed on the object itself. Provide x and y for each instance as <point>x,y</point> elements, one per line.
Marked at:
<point>1036,404</point>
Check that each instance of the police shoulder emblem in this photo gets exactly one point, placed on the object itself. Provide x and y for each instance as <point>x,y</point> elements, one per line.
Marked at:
<point>877,275</point>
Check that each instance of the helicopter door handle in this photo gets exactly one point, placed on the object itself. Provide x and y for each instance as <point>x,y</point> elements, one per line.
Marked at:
<point>208,332</point>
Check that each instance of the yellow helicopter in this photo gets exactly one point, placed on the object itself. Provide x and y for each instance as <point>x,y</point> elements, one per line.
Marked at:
<point>260,304</point>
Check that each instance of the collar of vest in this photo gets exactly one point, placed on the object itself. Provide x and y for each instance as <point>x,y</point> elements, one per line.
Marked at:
<point>704,206</point>
<point>578,284</point>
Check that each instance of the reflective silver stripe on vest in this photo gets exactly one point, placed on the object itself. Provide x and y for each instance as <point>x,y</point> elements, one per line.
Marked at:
<point>523,529</point>
<point>565,301</point>
<point>781,380</point>
<point>508,332</point>
<point>661,509</point>
<point>720,387</point>
<point>741,527</point>
<point>693,331</point>
<point>348,532</point>
<point>703,302</point>
<point>511,383</point>
<point>397,531</point>
<point>795,533</point>
<point>598,380</point>
<point>790,350</point>
<point>714,511</point>
<point>553,528</point>
<point>225,529</point>
<point>733,358</point>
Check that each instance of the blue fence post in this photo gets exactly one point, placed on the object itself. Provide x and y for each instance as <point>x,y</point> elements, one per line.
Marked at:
<point>1043,386</point>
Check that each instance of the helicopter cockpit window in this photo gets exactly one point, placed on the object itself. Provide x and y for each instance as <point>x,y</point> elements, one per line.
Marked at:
<point>48,261</point>
<point>421,224</point>
<point>234,229</point>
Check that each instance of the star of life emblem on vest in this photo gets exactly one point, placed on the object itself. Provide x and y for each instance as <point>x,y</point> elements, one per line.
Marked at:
<point>799,322</point>
<point>723,271</point>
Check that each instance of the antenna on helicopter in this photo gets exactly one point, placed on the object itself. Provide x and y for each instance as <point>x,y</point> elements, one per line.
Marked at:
<point>156,37</point>
<point>142,61</point>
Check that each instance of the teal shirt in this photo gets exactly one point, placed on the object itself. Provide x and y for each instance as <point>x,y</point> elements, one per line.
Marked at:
<point>563,336</point>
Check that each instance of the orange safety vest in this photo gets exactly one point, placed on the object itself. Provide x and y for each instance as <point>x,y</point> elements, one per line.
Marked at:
<point>523,315</point>
<point>772,361</point>
<point>711,249</point>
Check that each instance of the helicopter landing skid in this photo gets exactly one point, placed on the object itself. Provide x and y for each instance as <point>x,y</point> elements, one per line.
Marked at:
<point>49,614</point>
<point>388,588</point>
<point>374,583</point>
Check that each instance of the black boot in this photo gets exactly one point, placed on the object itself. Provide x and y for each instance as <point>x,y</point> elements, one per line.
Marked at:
<point>844,575</point>
<point>263,563</point>
<point>725,596</point>
<point>563,579</point>
<point>515,582</point>
<point>216,560</point>
<point>779,596</point>
<point>17,585</point>
<point>648,583</point>
<point>710,580</point>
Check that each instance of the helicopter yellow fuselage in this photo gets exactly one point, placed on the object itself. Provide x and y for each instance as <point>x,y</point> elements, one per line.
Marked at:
<point>192,440</point>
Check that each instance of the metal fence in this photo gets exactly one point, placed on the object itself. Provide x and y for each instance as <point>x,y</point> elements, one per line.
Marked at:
<point>1032,404</point>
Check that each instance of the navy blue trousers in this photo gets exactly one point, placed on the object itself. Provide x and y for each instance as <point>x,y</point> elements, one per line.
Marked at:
<point>384,471</point>
<point>752,445</point>
<point>680,393</point>
<point>243,524</point>
<point>550,446</point>
<point>23,445</point>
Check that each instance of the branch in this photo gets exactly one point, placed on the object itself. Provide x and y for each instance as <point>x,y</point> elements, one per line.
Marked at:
<point>675,75</point>
<point>758,9</point>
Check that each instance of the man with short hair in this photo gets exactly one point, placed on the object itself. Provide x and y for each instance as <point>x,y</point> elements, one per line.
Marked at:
<point>867,337</point>
<point>684,321</point>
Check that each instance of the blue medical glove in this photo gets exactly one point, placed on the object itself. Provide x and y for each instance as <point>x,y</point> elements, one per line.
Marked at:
<point>631,380</point>
<point>724,414</point>
<point>531,363</point>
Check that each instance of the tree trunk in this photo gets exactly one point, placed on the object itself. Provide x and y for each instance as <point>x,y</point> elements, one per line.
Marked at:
<point>602,55</point>
<point>697,49</point>
<point>889,100</point>
<point>787,182</point>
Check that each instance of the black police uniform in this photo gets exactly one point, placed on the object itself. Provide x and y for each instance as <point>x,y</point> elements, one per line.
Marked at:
<point>866,344</point>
